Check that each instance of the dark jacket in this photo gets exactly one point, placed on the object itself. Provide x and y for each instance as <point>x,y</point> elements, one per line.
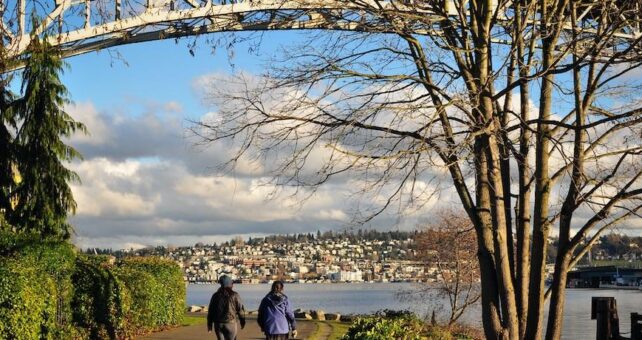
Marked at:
<point>275,314</point>
<point>225,306</point>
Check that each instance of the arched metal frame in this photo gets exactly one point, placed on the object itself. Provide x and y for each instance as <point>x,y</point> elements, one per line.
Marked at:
<point>80,26</point>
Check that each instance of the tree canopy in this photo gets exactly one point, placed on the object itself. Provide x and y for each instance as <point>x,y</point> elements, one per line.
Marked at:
<point>528,112</point>
<point>36,196</point>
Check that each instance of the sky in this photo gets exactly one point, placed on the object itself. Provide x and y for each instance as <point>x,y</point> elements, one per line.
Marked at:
<point>145,182</point>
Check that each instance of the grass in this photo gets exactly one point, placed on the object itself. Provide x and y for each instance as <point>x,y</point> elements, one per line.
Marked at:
<point>337,330</point>
<point>191,320</point>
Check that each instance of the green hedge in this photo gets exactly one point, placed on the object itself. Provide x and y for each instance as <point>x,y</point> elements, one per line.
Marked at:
<point>47,291</point>
<point>157,291</point>
<point>130,297</point>
<point>100,299</point>
<point>35,289</point>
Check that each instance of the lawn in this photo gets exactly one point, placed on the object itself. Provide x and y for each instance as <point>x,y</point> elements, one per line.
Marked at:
<point>338,329</point>
<point>333,330</point>
<point>192,320</point>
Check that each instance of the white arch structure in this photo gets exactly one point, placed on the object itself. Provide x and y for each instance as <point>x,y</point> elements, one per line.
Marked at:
<point>80,26</point>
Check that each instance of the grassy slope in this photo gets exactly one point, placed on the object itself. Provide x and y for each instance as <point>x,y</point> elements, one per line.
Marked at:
<point>338,329</point>
<point>191,320</point>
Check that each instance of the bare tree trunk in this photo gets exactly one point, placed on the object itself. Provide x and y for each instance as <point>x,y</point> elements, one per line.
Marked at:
<point>550,27</point>
<point>522,220</point>
<point>541,224</point>
<point>493,325</point>
<point>556,309</point>
<point>507,291</point>
<point>492,199</point>
<point>505,167</point>
<point>565,249</point>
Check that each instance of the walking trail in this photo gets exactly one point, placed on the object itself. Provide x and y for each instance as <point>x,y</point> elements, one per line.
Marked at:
<point>251,331</point>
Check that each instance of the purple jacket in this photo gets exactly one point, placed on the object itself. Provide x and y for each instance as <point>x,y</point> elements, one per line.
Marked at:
<point>275,314</point>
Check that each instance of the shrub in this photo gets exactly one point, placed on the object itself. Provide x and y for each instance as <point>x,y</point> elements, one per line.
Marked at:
<point>156,285</point>
<point>47,291</point>
<point>35,289</point>
<point>454,332</point>
<point>134,296</point>
<point>385,328</point>
<point>101,300</point>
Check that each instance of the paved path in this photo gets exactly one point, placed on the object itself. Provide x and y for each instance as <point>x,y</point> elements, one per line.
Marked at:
<point>251,331</point>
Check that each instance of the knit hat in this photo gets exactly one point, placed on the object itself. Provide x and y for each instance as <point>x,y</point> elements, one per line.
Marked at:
<point>225,281</point>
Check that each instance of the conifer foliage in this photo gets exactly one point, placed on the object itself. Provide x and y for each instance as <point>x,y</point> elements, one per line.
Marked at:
<point>42,197</point>
<point>7,123</point>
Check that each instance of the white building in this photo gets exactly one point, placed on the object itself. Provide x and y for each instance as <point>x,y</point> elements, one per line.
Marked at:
<point>344,276</point>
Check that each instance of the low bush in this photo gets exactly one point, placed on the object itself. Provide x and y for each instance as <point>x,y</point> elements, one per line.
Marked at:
<point>157,292</point>
<point>406,327</point>
<point>453,332</point>
<point>101,300</point>
<point>168,299</point>
<point>35,288</point>
<point>127,298</point>
<point>47,291</point>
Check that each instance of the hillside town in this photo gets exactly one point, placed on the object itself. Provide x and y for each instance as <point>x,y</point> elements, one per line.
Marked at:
<point>362,256</point>
<point>370,257</point>
<point>303,258</point>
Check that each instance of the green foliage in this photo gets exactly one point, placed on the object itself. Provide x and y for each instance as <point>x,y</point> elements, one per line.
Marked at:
<point>43,197</point>
<point>35,289</point>
<point>7,154</point>
<point>157,291</point>
<point>385,328</point>
<point>453,332</point>
<point>134,296</point>
<point>47,291</point>
<point>100,300</point>
<point>7,124</point>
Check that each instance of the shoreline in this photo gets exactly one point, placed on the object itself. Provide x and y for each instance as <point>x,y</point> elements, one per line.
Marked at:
<point>197,283</point>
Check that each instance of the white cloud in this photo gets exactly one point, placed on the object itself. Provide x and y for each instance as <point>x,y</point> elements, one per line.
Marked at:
<point>88,115</point>
<point>144,184</point>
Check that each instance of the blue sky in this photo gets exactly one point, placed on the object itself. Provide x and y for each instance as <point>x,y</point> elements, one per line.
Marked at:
<point>158,70</point>
<point>143,182</point>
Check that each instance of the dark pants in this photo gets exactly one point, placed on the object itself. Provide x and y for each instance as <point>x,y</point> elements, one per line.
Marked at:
<point>225,331</point>
<point>276,337</point>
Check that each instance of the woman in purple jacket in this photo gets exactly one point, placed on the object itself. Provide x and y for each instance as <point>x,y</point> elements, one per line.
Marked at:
<point>276,318</point>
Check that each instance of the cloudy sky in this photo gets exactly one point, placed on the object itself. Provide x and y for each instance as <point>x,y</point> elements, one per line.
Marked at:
<point>144,182</point>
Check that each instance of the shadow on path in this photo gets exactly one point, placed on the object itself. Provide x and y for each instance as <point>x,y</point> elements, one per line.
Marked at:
<point>251,331</point>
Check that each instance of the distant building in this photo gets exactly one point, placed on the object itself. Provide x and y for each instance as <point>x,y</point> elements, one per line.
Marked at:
<point>594,277</point>
<point>347,276</point>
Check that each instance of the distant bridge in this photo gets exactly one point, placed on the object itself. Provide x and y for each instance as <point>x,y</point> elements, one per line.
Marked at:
<point>80,26</point>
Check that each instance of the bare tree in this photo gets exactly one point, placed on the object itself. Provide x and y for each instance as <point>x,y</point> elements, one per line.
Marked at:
<point>529,111</point>
<point>448,245</point>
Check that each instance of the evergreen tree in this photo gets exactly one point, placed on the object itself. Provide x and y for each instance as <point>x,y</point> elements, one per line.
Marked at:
<point>7,122</point>
<point>44,197</point>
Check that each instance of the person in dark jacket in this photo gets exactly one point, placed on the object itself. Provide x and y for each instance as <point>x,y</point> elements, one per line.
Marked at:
<point>225,308</point>
<point>276,318</point>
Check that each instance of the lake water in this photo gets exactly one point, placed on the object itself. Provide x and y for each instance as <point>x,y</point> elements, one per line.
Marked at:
<point>363,298</point>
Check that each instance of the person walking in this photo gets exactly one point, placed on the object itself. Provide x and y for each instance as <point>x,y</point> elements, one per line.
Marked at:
<point>276,318</point>
<point>224,309</point>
